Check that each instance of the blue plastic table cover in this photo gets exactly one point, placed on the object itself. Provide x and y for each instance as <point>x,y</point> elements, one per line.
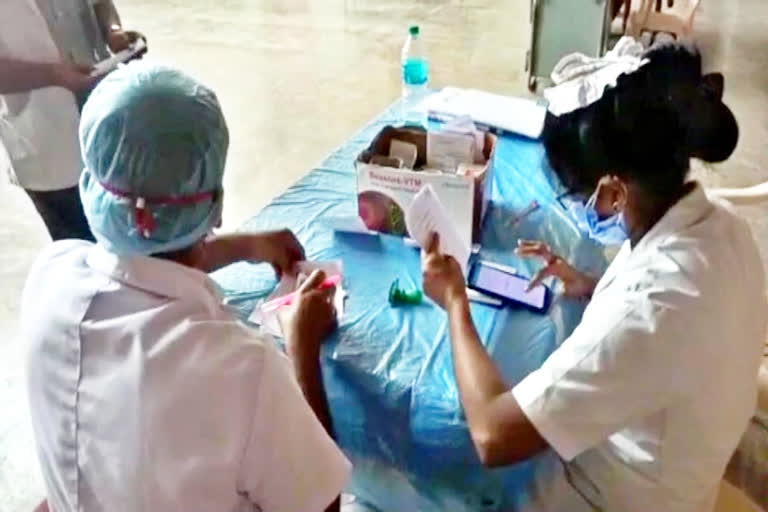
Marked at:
<point>388,371</point>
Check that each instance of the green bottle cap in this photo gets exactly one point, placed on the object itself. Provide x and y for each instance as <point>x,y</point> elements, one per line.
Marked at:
<point>413,30</point>
<point>398,296</point>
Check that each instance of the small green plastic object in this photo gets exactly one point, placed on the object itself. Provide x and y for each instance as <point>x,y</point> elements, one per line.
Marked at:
<point>398,296</point>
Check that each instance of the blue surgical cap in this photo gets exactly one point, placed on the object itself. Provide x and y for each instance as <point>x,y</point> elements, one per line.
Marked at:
<point>154,144</point>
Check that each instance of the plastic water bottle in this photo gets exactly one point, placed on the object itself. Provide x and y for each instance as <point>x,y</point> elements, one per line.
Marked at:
<point>415,71</point>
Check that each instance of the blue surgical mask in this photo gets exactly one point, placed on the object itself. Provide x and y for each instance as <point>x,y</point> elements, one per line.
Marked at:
<point>609,231</point>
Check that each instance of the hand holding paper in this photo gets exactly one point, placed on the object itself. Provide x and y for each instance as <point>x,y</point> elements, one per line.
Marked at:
<point>442,275</point>
<point>427,215</point>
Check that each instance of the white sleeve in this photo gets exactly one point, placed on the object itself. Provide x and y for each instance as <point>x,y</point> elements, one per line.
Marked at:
<point>624,361</point>
<point>291,464</point>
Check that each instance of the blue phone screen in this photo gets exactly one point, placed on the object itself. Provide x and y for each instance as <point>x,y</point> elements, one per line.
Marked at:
<point>508,285</point>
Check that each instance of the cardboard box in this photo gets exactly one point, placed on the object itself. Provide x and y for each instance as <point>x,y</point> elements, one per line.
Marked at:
<point>384,193</point>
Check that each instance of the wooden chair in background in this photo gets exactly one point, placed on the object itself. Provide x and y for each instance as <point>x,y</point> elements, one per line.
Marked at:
<point>675,18</point>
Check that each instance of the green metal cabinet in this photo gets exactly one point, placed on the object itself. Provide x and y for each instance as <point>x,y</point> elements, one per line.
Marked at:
<point>560,27</point>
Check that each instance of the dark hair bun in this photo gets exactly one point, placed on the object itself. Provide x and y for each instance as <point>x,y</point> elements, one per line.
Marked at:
<point>713,132</point>
<point>675,69</point>
<point>647,127</point>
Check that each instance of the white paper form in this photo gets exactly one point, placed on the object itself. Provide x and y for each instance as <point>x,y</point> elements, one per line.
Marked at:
<point>427,215</point>
<point>516,115</point>
<point>465,125</point>
<point>352,224</point>
<point>446,150</point>
<point>270,322</point>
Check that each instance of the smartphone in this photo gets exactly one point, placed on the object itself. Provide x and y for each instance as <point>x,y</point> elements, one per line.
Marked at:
<point>136,49</point>
<point>502,283</point>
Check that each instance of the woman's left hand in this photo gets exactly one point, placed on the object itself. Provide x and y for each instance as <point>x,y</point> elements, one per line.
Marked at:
<point>279,248</point>
<point>575,284</point>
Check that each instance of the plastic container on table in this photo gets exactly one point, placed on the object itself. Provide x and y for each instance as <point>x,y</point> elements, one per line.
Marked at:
<point>415,76</point>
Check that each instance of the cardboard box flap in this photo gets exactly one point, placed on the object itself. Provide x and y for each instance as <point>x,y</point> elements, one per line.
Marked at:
<point>418,137</point>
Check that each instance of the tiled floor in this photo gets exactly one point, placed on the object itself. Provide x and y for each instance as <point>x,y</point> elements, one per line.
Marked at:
<point>297,77</point>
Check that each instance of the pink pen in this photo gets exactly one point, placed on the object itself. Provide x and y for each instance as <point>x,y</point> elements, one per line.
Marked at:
<point>287,300</point>
<point>532,207</point>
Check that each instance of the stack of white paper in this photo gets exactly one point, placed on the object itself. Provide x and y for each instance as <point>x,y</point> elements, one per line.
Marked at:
<point>427,215</point>
<point>507,113</point>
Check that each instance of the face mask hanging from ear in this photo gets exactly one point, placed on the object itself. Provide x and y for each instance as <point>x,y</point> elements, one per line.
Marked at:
<point>609,231</point>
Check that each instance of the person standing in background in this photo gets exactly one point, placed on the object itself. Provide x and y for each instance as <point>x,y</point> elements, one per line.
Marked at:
<point>85,32</point>
<point>47,50</point>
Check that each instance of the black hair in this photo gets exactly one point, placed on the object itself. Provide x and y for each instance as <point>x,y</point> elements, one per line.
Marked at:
<point>646,128</point>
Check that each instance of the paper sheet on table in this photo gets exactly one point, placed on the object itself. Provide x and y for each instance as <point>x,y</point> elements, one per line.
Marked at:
<point>516,115</point>
<point>427,215</point>
<point>270,322</point>
<point>351,224</point>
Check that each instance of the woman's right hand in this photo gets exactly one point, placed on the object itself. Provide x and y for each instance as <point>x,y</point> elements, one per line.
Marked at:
<point>576,284</point>
<point>74,77</point>
<point>311,318</point>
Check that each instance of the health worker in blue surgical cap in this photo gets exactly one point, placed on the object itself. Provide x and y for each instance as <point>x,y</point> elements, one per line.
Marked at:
<point>145,392</point>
